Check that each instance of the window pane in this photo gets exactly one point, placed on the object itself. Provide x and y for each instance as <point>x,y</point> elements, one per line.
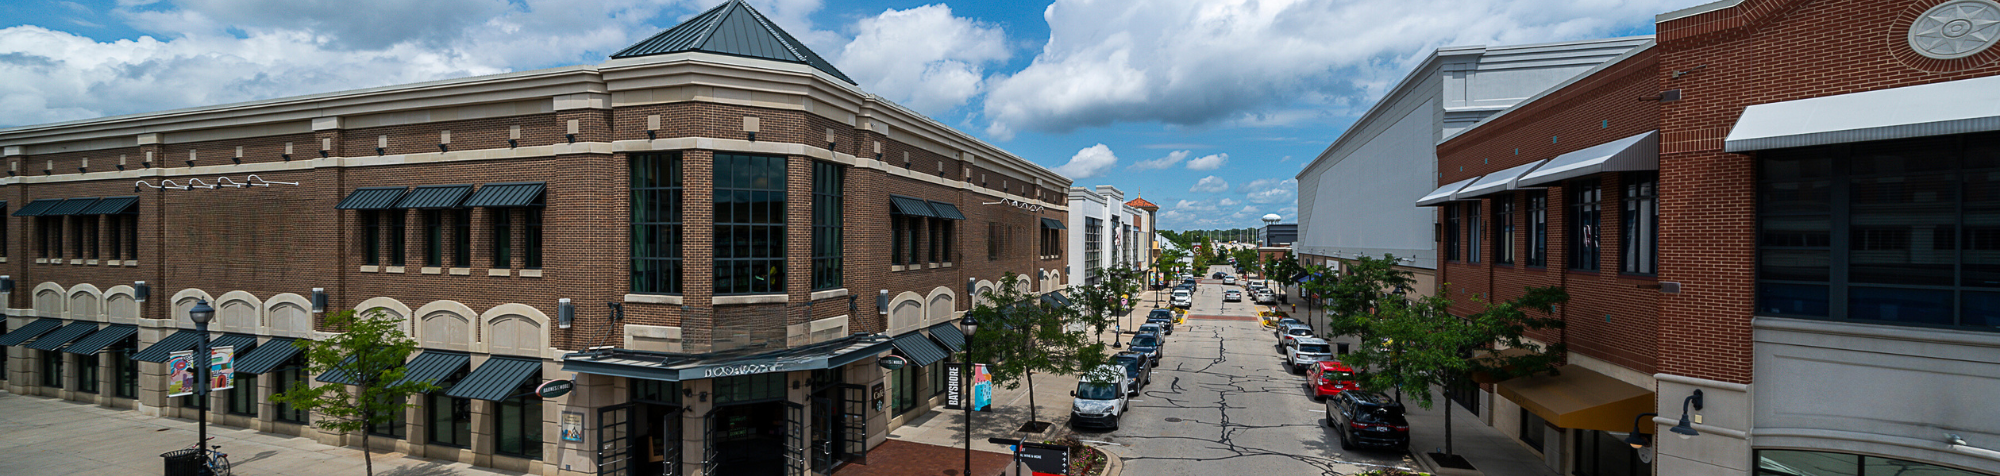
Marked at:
<point>1903,228</point>
<point>1980,309</point>
<point>1915,306</point>
<point>1806,463</point>
<point>1792,299</point>
<point>1872,466</point>
<point>1792,265</point>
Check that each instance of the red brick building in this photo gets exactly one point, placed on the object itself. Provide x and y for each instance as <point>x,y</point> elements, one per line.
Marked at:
<point>1774,216</point>
<point>715,233</point>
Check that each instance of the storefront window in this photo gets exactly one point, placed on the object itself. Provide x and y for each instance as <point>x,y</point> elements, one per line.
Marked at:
<point>450,418</point>
<point>656,391</point>
<point>1816,463</point>
<point>1603,453</point>
<point>243,396</point>
<point>750,220</point>
<point>52,369</point>
<point>126,370</point>
<point>86,373</point>
<point>903,382</point>
<point>397,427</point>
<point>937,376</point>
<point>289,375</point>
<point>749,388</point>
<point>1534,430</point>
<point>520,422</point>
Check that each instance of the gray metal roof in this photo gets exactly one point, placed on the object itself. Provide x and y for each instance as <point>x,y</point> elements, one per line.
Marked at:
<point>37,208</point>
<point>372,198</point>
<point>496,379</point>
<point>160,351</point>
<point>950,336</point>
<point>1953,107</point>
<point>432,366</point>
<point>102,339</point>
<point>243,343</point>
<point>1054,224</point>
<point>74,206</point>
<point>514,194</point>
<point>915,207</point>
<point>111,206</point>
<point>339,374</point>
<point>30,331</point>
<point>61,337</point>
<point>436,196</point>
<point>918,348</point>
<point>267,357</point>
<point>734,29</point>
<point>947,211</point>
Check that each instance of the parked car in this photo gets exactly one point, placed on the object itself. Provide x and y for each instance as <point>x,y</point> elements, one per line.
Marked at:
<point>1303,352</point>
<point>1182,299</point>
<point>1282,321</point>
<point>1228,280</point>
<point>1098,399</point>
<point>1330,377</point>
<point>1265,297</point>
<point>1219,275</point>
<point>1364,418</point>
<point>1151,345</point>
<point>1232,296</point>
<point>1294,332</point>
<point>1163,317</point>
<point>1151,328</point>
<point>1138,370</point>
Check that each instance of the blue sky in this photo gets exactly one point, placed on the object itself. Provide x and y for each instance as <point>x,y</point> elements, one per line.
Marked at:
<point>1208,107</point>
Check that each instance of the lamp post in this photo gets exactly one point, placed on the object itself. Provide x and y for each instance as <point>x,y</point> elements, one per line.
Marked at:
<point>965,385</point>
<point>201,314</point>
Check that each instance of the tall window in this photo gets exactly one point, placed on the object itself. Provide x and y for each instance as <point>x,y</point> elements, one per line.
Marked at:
<point>1639,244</point>
<point>52,369</point>
<point>1503,229</point>
<point>243,396</point>
<point>124,369</point>
<point>903,385</point>
<point>1900,232</point>
<point>89,224</point>
<point>935,231</point>
<point>829,208</point>
<point>461,238</point>
<point>396,232</point>
<point>1585,210</point>
<point>450,418</point>
<point>992,241</point>
<point>48,236</point>
<point>4,223</point>
<point>397,427</point>
<point>131,236</point>
<point>76,237</point>
<point>433,237</point>
<point>114,236</point>
<point>1451,232</point>
<point>946,236</point>
<point>1093,245</point>
<point>656,223</point>
<point>86,373</point>
<point>371,237</point>
<point>749,224</point>
<point>1538,228</point>
<point>898,238</point>
<point>503,237</point>
<point>519,422</point>
<point>913,228</point>
<point>1474,233</point>
<point>531,241</point>
<point>290,374</point>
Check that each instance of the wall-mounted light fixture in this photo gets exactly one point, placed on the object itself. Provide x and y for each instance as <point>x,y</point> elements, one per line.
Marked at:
<point>1686,427</point>
<point>319,300</point>
<point>287,157</point>
<point>513,143</point>
<point>971,289</point>
<point>237,160</point>
<point>753,136</point>
<point>379,151</point>
<point>1637,439</point>
<point>140,291</point>
<point>322,153</point>
<point>565,313</point>
<point>444,147</point>
<point>6,284</point>
<point>570,137</point>
<point>882,302</point>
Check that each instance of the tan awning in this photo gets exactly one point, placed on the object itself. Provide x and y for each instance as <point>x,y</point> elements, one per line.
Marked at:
<point>1580,398</point>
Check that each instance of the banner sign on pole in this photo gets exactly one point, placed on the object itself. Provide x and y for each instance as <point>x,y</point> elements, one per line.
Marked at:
<point>180,373</point>
<point>1043,459</point>
<point>982,388</point>
<point>222,368</point>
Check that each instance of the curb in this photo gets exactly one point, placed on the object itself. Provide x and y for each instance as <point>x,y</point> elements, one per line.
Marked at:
<point>1424,462</point>
<point>1113,466</point>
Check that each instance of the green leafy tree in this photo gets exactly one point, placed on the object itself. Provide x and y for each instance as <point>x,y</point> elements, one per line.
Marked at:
<point>1020,334</point>
<point>370,351</point>
<point>1247,261</point>
<point>1103,300</point>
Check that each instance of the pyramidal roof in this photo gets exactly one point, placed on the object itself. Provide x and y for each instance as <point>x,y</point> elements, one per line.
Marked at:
<point>735,29</point>
<point>1141,202</point>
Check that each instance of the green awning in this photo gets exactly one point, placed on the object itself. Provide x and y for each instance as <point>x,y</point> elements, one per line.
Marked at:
<point>950,336</point>
<point>112,206</point>
<point>267,357</point>
<point>74,206</point>
<point>37,208</point>
<point>947,211</point>
<point>915,207</point>
<point>433,365</point>
<point>30,331</point>
<point>159,352</point>
<point>102,339</point>
<point>60,337</point>
<point>515,194</point>
<point>372,198</point>
<point>496,379</point>
<point>435,196</point>
<point>1056,298</point>
<point>919,349</point>
<point>1053,224</point>
<point>242,343</point>
<point>338,374</point>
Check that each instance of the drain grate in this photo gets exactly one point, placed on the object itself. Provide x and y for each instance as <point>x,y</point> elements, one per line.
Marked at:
<point>1173,420</point>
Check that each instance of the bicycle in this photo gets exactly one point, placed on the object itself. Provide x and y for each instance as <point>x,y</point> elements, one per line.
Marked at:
<point>214,461</point>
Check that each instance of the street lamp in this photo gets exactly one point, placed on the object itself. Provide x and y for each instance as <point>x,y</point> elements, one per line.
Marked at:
<point>201,314</point>
<point>965,385</point>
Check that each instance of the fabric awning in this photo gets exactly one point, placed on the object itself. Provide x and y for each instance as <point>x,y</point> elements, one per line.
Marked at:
<point>1443,194</point>
<point>102,339</point>
<point>433,365</point>
<point>37,208</point>
<point>1056,298</point>
<point>30,331</point>
<point>1580,398</point>
<point>60,337</point>
<point>112,206</point>
<point>184,339</point>
<point>435,196</point>
<point>513,194</point>
<point>947,211</point>
<point>1053,224</point>
<point>496,379</point>
<point>372,198</point>
<point>242,343</point>
<point>1951,107</point>
<point>338,374</point>
<point>912,206</point>
<point>918,349</point>
<point>950,336</point>
<point>267,357</point>
<point>74,206</point>
<point>1630,154</point>
<point>1497,182</point>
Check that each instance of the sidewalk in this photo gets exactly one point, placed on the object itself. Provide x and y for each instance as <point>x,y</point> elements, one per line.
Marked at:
<point>46,436</point>
<point>1492,453</point>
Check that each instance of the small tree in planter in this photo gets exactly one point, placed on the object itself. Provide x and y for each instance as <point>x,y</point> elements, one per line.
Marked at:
<point>370,351</point>
<point>1020,334</point>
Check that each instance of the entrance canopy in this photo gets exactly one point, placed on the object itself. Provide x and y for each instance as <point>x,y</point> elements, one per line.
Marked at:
<point>673,367</point>
<point>1951,107</point>
<point>1580,398</point>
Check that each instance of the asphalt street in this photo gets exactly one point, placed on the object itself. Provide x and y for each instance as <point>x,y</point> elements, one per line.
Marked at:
<point>1222,403</point>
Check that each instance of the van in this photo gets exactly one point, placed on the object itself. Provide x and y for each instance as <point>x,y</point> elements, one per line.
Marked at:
<point>1099,398</point>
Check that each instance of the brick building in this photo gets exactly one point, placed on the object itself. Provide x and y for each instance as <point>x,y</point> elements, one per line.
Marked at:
<point>528,227</point>
<point>1773,218</point>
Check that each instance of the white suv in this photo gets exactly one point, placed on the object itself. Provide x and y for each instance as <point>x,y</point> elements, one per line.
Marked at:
<point>1183,300</point>
<point>1302,352</point>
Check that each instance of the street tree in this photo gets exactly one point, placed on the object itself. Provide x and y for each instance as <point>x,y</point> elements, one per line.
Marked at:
<point>1021,333</point>
<point>369,352</point>
<point>1105,296</point>
<point>1246,261</point>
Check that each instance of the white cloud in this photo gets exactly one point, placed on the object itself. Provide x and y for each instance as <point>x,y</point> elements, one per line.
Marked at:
<point>1210,184</point>
<point>1261,62</point>
<point>1269,190</point>
<point>1228,203</point>
<point>923,57</point>
<point>1208,162</point>
<point>1167,162</point>
<point>1090,162</point>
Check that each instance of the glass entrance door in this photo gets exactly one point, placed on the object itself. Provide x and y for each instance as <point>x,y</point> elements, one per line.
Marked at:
<point>614,440</point>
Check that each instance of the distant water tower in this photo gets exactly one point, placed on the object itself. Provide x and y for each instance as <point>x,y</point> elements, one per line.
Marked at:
<point>1272,219</point>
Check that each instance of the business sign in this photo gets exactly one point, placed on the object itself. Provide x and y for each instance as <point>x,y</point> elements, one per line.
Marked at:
<point>982,388</point>
<point>180,373</point>
<point>555,388</point>
<point>1016,204</point>
<point>222,368</point>
<point>744,369</point>
<point>1043,459</point>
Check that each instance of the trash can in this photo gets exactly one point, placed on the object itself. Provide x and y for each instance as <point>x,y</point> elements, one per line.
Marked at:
<point>183,462</point>
<point>1342,347</point>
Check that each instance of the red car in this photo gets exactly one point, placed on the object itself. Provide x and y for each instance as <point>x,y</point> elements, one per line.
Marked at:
<point>1329,378</point>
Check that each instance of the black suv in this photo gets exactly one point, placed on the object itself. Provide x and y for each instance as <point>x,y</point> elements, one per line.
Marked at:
<point>1364,418</point>
<point>1138,370</point>
<point>1163,317</point>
